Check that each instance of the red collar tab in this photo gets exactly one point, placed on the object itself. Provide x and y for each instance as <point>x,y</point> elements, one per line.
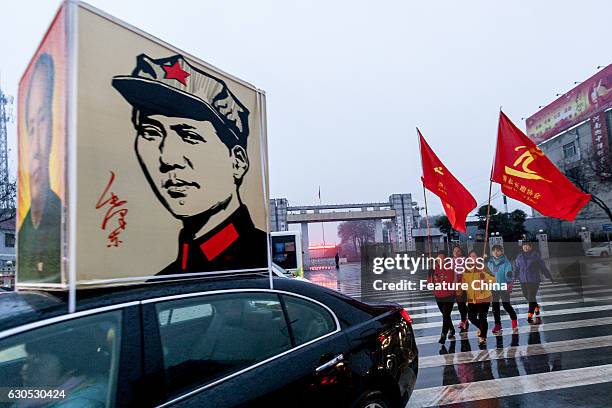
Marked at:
<point>219,242</point>
<point>184,255</point>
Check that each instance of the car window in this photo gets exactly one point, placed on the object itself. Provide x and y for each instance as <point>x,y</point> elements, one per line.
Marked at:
<point>181,314</point>
<point>223,334</point>
<point>307,319</point>
<point>79,358</point>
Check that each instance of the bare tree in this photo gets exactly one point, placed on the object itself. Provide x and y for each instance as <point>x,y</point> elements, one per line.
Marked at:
<point>356,232</point>
<point>586,176</point>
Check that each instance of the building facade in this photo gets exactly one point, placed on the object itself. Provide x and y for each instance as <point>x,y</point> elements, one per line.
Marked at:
<point>575,133</point>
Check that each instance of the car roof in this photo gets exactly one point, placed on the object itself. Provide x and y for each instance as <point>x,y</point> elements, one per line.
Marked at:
<point>23,307</point>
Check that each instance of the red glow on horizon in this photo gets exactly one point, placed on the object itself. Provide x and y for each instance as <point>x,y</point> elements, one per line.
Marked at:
<point>322,246</point>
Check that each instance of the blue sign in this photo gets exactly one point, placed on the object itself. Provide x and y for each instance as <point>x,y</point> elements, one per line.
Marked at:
<point>607,227</point>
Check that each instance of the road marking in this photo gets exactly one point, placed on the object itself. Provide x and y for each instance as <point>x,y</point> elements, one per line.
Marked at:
<point>571,324</point>
<point>587,309</point>
<point>505,387</point>
<point>398,296</point>
<point>455,312</point>
<point>577,299</point>
<point>544,289</point>
<point>515,351</point>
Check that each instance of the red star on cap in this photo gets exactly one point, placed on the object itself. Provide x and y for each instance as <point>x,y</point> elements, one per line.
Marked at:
<point>176,72</point>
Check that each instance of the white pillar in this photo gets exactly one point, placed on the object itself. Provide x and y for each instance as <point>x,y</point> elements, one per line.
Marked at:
<point>305,244</point>
<point>543,241</point>
<point>378,231</point>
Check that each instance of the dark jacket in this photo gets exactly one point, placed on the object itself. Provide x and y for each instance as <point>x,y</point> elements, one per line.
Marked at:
<point>39,256</point>
<point>232,245</point>
<point>528,266</point>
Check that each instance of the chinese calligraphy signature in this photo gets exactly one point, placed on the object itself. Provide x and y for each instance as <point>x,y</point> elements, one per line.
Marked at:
<point>115,210</point>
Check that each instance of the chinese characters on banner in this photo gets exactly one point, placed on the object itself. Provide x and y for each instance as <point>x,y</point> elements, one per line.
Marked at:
<point>601,146</point>
<point>530,196</point>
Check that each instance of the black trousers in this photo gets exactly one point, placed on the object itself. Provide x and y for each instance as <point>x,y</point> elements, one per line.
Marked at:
<point>462,306</point>
<point>446,307</point>
<point>504,297</point>
<point>477,313</point>
<point>530,291</point>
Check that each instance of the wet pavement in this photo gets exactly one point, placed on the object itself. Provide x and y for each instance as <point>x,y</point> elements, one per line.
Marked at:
<point>565,361</point>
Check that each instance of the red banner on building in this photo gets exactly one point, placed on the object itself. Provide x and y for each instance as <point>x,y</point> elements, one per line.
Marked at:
<point>589,97</point>
<point>601,146</point>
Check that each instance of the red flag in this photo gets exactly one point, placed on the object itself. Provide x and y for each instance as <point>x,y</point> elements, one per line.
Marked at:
<point>527,175</point>
<point>456,200</point>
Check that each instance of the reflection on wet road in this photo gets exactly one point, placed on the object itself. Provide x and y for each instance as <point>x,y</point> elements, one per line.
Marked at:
<point>566,360</point>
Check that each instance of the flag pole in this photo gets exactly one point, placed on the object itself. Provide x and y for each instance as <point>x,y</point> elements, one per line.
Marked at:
<point>424,197</point>
<point>427,220</point>
<point>486,238</point>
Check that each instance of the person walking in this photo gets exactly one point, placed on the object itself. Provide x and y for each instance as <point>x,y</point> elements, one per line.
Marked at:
<point>478,295</point>
<point>529,266</point>
<point>337,259</point>
<point>501,267</point>
<point>458,263</point>
<point>445,298</point>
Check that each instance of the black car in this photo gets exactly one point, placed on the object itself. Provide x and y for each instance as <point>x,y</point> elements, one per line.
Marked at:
<point>207,343</point>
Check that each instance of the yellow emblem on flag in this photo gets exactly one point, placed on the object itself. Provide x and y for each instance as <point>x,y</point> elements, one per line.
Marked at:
<point>524,160</point>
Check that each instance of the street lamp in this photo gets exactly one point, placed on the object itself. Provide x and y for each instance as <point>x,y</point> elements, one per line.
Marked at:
<point>541,231</point>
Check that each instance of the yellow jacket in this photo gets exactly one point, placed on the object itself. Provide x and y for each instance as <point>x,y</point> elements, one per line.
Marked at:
<point>478,295</point>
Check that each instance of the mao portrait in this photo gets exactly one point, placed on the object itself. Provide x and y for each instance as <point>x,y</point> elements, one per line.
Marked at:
<point>39,236</point>
<point>190,140</point>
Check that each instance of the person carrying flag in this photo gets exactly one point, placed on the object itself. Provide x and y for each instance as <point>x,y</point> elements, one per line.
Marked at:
<point>458,263</point>
<point>457,203</point>
<point>445,298</point>
<point>529,266</point>
<point>502,268</point>
<point>478,295</point>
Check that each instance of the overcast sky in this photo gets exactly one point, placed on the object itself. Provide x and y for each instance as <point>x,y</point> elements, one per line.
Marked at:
<point>347,82</point>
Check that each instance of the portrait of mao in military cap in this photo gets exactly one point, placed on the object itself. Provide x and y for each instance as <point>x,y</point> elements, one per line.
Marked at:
<point>191,137</point>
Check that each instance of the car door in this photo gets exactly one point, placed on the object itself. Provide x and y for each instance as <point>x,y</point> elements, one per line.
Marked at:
<point>257,347</point>
<point>79,356</point>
